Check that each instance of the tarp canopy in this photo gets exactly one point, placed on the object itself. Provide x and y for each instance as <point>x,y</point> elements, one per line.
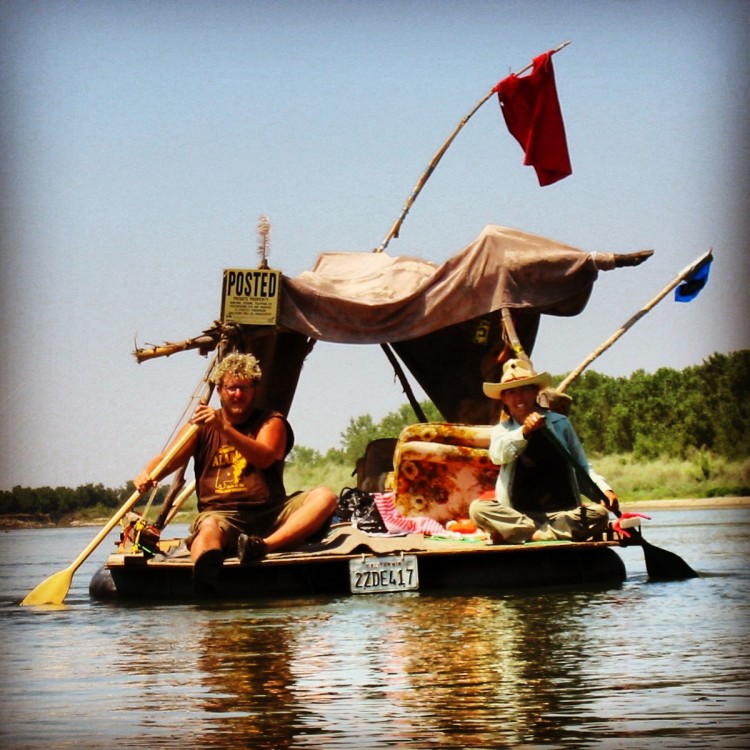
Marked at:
<point>375,298</point>
<point>443,320</point>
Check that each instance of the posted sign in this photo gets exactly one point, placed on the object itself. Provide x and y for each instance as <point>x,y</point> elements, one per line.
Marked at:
<point>250,296</point>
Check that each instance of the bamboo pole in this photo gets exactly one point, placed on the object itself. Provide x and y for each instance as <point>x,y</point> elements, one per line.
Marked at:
<point>185,493</point>
<point>439,155</point>
<point>681,276</point>
<point>178,481</point>
<point>512,336</point>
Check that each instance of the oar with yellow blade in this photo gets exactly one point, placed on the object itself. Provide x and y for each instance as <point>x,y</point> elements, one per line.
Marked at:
<point>54,589</point>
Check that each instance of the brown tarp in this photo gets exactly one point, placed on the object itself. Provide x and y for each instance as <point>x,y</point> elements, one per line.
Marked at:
<point>443,321</point>
<point>376,298</point>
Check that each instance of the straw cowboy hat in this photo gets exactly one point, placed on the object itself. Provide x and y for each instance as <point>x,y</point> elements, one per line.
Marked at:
<point>516,373</point>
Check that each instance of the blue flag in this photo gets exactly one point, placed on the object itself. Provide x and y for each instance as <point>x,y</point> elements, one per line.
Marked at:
<point>689,289</point>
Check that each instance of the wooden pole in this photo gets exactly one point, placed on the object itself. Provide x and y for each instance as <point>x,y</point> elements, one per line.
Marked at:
<point>185,493</point>
<point>404,382</point>
<point>176,487</point>
<point>684,274</point>
<point>439,155</point>
<point>512,336</point>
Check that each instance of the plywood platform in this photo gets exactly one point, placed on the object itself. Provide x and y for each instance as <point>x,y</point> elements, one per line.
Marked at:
<point>324,567</point>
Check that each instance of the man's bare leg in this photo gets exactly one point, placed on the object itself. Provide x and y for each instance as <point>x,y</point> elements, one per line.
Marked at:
<point>209,537</point>
<point>318,507</point>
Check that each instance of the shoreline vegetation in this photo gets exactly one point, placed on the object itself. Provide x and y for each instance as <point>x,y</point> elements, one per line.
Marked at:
<point>33,522</point>
<point>703,480</point>
<point>656,438</point>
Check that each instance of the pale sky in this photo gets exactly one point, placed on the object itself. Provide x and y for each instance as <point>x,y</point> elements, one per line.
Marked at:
<point>141,142</point>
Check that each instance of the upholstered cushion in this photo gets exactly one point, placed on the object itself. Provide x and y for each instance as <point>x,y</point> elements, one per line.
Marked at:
<point>439,468</point>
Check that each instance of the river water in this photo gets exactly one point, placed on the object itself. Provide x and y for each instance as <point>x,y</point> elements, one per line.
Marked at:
<point>641,665</point>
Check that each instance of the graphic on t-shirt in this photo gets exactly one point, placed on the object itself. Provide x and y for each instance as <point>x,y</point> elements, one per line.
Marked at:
<point>230,467</point>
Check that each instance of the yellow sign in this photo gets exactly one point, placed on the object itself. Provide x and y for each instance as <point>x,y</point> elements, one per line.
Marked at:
<point>250,296</point>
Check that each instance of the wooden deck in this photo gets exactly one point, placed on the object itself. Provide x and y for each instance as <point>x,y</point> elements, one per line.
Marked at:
<point>324,568</point>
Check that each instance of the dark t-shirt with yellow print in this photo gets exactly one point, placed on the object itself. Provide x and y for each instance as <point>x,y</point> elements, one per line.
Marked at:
<point>224,478</point>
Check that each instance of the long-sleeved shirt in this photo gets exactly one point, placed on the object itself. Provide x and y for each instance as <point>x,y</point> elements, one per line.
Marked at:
<point>507,443</point>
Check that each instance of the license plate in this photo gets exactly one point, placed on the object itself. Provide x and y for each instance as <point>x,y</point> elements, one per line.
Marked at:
<point>372,575</point>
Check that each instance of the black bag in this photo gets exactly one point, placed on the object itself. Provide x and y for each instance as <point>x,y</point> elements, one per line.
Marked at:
<point>358,507</point>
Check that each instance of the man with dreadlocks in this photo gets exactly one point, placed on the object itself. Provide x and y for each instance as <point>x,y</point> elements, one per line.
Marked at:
<point>239,454</point>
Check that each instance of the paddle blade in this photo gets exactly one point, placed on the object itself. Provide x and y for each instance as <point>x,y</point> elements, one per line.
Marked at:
<point>50,591</point>
<point>663,565</point>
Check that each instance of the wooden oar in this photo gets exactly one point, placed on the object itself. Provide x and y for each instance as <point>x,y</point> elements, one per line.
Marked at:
<point>54,589</point>
<point>661,565</point>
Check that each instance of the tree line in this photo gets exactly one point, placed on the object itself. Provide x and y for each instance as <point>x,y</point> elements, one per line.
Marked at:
<point>668,413</point>
<point>55,503</point>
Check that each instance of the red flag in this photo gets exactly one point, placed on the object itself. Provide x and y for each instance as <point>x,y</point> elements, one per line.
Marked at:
<point>532,114</point>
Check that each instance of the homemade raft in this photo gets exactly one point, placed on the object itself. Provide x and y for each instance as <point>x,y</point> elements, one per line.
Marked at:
<point>451,326</point>
<point>350,561</point>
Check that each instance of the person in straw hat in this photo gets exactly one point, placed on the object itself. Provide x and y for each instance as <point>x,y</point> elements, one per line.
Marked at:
<point>537,497</point>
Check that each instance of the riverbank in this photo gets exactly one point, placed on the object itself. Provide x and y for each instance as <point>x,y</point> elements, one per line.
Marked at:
<point>29,522</point>
<point>696,503</point>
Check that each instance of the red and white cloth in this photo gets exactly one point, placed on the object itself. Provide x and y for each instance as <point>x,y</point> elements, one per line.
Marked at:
<point>395,522</point>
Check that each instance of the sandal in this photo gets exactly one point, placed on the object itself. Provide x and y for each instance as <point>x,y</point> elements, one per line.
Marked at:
<point>250,548</point>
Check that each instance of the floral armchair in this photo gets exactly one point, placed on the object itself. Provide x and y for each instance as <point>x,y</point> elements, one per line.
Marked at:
<point>439,468</point>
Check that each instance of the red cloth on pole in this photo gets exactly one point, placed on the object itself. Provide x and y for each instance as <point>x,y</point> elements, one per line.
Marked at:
<point>532,114</point>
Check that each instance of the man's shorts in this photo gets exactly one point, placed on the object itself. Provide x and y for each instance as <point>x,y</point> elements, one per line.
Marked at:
<point>254,522</point>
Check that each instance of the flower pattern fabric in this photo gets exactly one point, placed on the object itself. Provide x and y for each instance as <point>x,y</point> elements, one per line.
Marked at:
<point>439,468</point>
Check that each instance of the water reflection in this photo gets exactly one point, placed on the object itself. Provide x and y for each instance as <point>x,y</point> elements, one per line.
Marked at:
<point>547,668</point>
<point>245,668</point>
<point>485,670</point>
<point>475,670</point>
<point>641,665</point>
<point>224,672</point>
